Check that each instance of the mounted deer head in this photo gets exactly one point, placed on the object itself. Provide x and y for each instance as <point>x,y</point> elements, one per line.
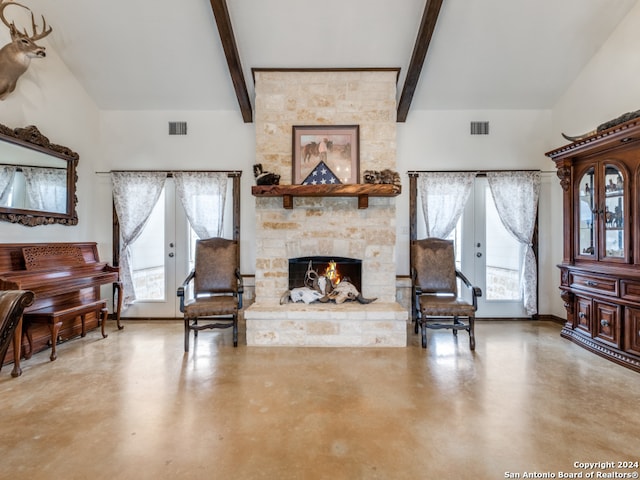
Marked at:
<point>16,56</point>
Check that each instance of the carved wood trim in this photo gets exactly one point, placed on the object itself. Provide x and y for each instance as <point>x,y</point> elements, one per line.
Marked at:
<point>564,174</point>
<point>610,353</point>
<point>44,256</point>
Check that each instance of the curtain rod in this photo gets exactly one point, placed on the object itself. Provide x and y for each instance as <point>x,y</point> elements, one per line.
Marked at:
<point>232,173</point>
<point>478,172</point>
<point>19,167</point>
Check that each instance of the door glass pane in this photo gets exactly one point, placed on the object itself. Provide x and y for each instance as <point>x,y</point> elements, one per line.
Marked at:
<point>456,237</point>
<point>585,226</point>
<point>613,212</point>
<point>147,256</point>
<point>503,257</point>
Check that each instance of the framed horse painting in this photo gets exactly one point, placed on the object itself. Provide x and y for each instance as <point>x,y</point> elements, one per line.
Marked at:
<point>325,155</point>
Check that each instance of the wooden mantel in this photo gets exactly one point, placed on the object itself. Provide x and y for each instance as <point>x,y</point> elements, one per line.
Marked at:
<point>362,191</point>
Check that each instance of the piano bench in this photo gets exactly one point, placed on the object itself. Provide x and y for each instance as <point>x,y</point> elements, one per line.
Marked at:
<point>54,316</point>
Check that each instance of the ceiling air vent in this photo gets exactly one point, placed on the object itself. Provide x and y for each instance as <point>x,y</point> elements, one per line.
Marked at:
<point>177,128</point>
<point>479,128</point>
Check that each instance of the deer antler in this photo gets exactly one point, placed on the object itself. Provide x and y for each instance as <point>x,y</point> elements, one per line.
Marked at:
<point>45,31</point>
<point>34,27</point>
<point>3,5</point>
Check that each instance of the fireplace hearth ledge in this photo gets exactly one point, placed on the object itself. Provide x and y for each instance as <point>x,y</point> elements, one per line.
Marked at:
<point>349,324</point>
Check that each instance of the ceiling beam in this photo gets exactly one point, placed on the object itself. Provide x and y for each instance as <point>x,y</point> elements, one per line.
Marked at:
<point>223,21</point>
<point>427,26</point>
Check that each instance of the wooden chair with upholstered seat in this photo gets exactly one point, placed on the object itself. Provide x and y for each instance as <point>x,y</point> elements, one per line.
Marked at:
<point>435,300</point>
<point>217,288</point>
<point>12,305</point>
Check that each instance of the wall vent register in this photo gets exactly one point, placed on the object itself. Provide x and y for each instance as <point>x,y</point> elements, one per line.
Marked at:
<point>479,128</point>
<point>177,128</point>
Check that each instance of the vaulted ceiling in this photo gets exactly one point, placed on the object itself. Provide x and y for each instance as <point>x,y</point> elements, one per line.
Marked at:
<point>484,54</point>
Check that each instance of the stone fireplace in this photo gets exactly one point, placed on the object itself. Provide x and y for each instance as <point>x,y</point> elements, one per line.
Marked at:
<point>326,226</point>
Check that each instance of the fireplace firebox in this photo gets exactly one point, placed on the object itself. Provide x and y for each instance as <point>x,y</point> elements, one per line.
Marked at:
<point>349,269</point>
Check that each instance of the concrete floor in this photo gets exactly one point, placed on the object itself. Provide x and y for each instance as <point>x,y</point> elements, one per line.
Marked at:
<point>134,406</point>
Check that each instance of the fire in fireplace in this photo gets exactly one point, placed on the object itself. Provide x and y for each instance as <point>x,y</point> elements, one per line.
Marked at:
<point>339,267</point>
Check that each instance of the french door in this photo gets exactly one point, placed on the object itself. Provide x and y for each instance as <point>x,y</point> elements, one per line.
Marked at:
<point>161,259</point>
<point>489,256</point>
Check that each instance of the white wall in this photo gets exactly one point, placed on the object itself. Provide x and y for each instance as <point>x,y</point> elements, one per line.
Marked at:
<point>49,97</point>
<point>518,139</point>
<point>139,140</point>
<point>607,87</point>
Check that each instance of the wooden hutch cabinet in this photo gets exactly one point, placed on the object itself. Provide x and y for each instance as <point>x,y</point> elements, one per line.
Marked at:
<point>600,270</point>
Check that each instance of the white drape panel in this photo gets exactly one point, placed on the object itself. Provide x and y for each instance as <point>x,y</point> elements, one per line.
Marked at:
<point>134,196</point>
<point>46,189</point>
<point>444,195</point>
<point>516,197</point>
<point>7,174</point>
<point>203,196</point>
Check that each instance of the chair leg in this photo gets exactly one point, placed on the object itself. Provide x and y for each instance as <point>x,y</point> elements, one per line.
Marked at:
<point>186,334</point>
<point>235,330</point>
<point>423,327</point>
<point>472,336</point>
<point>455,322</point>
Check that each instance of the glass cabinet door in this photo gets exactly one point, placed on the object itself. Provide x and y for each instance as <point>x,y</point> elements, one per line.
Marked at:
<point>613,215</point>
<point>586,235</point>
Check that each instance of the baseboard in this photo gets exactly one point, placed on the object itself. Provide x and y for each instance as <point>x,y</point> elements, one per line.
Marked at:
<point>552,318</point>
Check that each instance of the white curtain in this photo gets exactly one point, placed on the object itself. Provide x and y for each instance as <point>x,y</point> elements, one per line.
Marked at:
<point>134,196</point>
<point>444,195</point>
<point>46,189</point>
<point>7,174</point>
<point>203,196</point>
<point>516,197</point>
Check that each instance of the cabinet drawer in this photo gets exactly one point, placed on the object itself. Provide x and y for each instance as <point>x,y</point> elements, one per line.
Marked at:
<point>583,315</point>
<point>606,323</point>
<point>594,283</point>
<point>632,330</point>
<point>630,290</point>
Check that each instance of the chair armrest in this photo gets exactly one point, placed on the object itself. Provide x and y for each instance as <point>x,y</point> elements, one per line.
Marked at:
<point>182,288</point>
<point>464,279</point>
<point>417,289</point>
<point>240,280</point>
<point>240,287</point>
<point>475,291</point>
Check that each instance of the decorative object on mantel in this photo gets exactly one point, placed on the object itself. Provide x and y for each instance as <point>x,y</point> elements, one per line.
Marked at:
<point>362,191</point>
<point>16,56</point>
<point>265,178</point>
<point>338,146</point>
<point>321,175</point>
<point>324,288</point>
<point>605,126</point>
<point>384,177</point>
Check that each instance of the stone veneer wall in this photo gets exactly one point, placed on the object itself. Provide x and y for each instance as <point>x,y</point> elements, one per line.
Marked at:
<point>320,225</point>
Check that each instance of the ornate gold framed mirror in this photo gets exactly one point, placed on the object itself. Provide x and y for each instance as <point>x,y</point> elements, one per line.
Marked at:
<point>37,179</point>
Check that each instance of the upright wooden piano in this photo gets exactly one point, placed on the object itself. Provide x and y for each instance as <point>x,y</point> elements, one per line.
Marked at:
<point>62,276</point>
